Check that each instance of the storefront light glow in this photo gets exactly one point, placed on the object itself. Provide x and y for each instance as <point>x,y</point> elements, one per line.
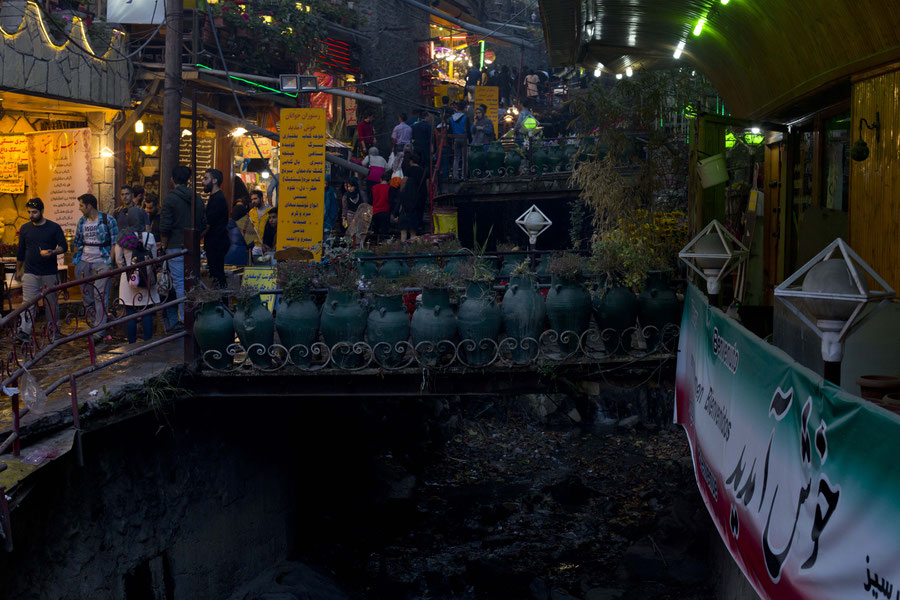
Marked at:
<point>481,61</point>
<point>238,132</point>
<point>105,152</point>
<point>597,72</point>
<point>186,132</point>
<point>619,76</point>
<point>754,130</point>
<point>265,174</point>
<point>139,126</point>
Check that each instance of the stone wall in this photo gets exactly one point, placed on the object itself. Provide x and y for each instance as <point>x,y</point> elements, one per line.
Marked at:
<point>388,47</point>
<point>30,62</point>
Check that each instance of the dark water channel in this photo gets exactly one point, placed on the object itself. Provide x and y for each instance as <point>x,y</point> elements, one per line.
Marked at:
<point>280,499</point>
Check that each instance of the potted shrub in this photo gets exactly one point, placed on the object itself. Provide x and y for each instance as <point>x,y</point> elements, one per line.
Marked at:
<point>422,245</point>
<point>388,322</point>
<point>213,324</point>
<point>523,312</point>
<point>434,321</point>
<point>620,268</point>
<point>297,320</point>
<point>254,325</point>
<point>479,315</point>
<point>568,301</point>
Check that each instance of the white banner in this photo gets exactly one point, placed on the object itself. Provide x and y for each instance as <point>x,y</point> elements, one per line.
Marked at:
<point>136,11</point>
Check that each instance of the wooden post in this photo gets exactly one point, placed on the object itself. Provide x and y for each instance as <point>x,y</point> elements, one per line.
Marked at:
<point>171,130</point>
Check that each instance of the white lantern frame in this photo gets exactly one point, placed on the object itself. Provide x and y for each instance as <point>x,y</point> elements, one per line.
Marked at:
<point>523,218</point>
<point>832,334</point>
<point>733,254</point>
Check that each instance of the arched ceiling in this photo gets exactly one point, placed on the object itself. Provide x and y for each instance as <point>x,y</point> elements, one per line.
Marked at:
<point>766,58</point>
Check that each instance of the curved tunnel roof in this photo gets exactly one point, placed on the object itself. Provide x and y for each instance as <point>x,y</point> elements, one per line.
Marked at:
<point>765,57</point>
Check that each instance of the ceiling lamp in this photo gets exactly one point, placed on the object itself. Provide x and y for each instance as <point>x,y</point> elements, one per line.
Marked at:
<point>148,149</point>
<point>678,50</point>
<point>698,28</point>
<point>619,76</point>
<point>139,126</point>
<point>597,72</point>
<point>628,72</point>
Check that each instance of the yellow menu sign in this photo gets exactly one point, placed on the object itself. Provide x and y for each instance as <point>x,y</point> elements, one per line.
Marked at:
<point>301,184</point>
<point>489,95</point>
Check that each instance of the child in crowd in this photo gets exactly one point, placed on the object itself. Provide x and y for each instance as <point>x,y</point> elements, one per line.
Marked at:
<point>381,207</point>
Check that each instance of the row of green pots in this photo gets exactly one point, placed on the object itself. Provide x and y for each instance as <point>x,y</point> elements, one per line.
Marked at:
<point>521,315</point>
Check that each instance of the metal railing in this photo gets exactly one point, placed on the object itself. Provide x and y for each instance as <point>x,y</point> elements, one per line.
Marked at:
<point>64,329</point>
<point>551,347</point>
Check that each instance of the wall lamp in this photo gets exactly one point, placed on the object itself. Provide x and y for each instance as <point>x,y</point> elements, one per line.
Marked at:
<point>860,150</point>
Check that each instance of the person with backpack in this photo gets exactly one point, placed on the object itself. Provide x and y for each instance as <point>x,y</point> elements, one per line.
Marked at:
<point>95,234</point>
<point>137,286</point>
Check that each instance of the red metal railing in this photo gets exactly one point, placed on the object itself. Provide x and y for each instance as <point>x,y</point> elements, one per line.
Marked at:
<point>43,342</point>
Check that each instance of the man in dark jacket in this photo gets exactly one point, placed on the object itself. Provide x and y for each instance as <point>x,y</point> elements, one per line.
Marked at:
<point>215,240</point>
<point>175,218</point>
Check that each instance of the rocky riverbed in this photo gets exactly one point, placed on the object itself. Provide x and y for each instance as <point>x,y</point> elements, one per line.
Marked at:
<point>532,497</point>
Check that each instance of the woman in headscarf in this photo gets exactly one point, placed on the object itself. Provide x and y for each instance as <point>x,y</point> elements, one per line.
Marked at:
<point>352,200</point>
<point>137,289</point>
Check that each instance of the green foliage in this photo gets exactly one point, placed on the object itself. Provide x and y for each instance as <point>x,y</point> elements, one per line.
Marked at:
<point>296,278</point>
<point>204,290</point>
<point>244,296</point>
<point>382,286</point>
<point>430,276</point>
<point>523,268</point>
<point>476,269</point>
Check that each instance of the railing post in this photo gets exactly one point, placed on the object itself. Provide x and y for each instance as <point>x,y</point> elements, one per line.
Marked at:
<point>73,392</point>
<point>15,414</point>
<point>191,270</point>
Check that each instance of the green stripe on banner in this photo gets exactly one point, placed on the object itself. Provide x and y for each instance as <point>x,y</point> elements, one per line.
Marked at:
<point>801,479</point>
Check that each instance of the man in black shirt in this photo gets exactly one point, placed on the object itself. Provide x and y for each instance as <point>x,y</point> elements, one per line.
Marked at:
<point>216,235</point>
<point>40,241</point>
<point>422,139</point>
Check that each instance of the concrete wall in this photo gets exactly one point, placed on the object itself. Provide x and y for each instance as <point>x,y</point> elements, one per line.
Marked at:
<point>181,505</point>
<point>31,63</point>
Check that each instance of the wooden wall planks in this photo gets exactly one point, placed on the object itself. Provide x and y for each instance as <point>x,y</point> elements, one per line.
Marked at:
<point>875,183</point>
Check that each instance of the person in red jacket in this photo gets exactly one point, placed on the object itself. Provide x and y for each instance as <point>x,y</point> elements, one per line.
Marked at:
<point>381,207</point>
<point>366,133</point>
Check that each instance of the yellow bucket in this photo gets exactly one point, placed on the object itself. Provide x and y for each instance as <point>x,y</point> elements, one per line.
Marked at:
<point>445,220</point>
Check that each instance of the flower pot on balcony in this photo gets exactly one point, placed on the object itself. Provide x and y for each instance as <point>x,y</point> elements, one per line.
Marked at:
<point>479,322</point>
<point>343,320</point>
<point>617,310</point>
<point>875,387</point>
<point>523,314</point>
<point>569,311</point>
<point>297,323</point>
<point>433,322</point>
<point>214,331</point>
<point>394,266</point>
<point>387,325</point>
<point>367,268</point>
<point>255,328</point>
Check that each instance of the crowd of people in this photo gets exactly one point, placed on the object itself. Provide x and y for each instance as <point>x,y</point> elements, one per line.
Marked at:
<point>138,229</point>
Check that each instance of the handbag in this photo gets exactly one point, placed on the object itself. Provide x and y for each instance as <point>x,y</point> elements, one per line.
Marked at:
<point>397,178</point>
<point>164,281</point>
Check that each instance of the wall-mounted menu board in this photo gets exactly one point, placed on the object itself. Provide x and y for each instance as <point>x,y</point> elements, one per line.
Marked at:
<point>206,155</point>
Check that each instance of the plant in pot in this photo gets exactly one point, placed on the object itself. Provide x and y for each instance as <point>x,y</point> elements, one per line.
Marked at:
<point>620,267</point>
<point>523,312</point>
<point>663,233</point>
<point>433,324</point>
<point>213,324</point>
<point>509,261</point>
<point>297,319</point>
<point>478,319</point>
<point>460,254</point>
<point>568,301</point>
<point>388,322</point>
<point>343,317</point>
<point>422,245</point>
<point>254,325</point>
<point>394,264</point>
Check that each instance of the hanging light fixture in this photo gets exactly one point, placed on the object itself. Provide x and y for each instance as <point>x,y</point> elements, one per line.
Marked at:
<point>713,253</point>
